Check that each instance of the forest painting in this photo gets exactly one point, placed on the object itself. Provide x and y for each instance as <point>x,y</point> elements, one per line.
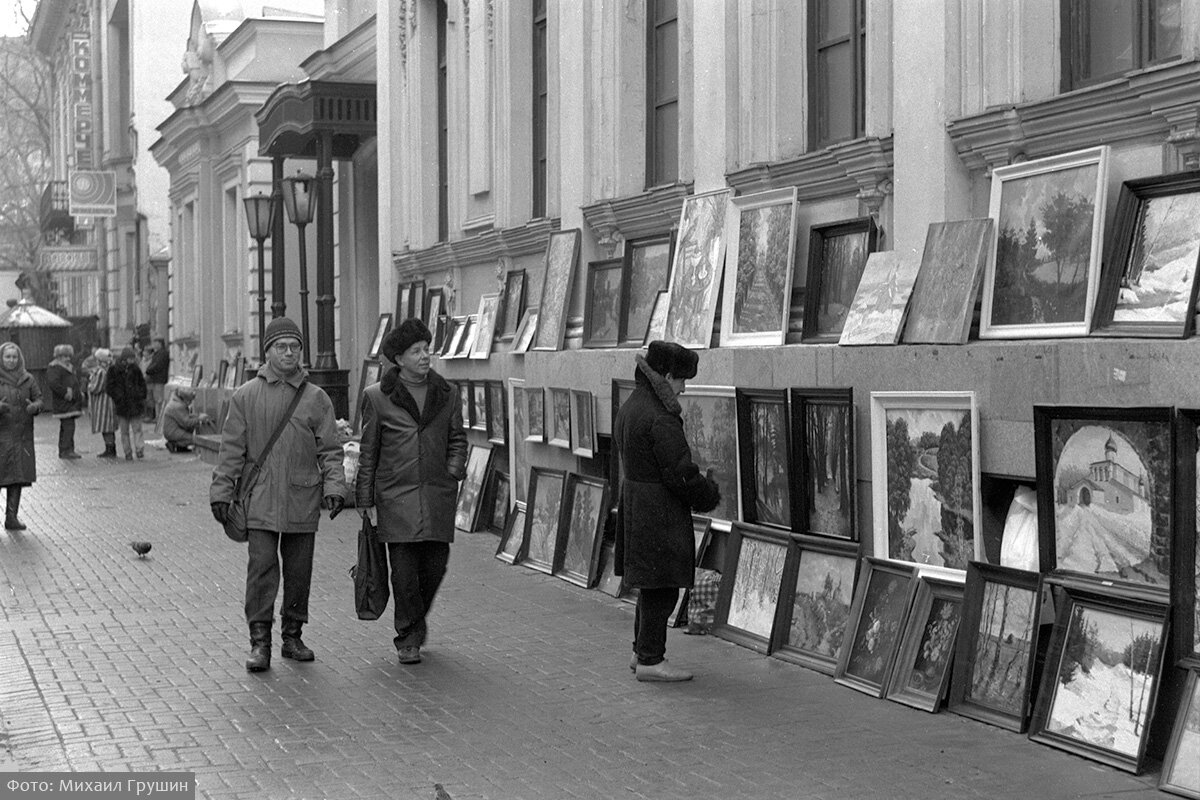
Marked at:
<point>1181,766</point>
<point>821,601</point>
<point>1004,643</point>
<point>646,272</point>
<point>535,419</point>
<point>837,255</point>
<point>602,306</point>
<point>880,305</point>
<point>763,440</point>
<point>542,517</point>
<point>710,425</point>
<point>761,232</point>
<point>757,579</point>
<point>696,274</point>
<point>559,419</point>
<point>829,467</point>
<point>580,548</point>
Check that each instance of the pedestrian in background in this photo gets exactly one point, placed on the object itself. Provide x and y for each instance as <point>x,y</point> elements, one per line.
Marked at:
<point>127,387</point>
<point>412,455</point>
<point>158,367</point>
<point>66,398</point>
<point>662,486</point>
<point>20,402</point>
<point>100,405</point>
<point>284,505</point>
<point>179,424</point>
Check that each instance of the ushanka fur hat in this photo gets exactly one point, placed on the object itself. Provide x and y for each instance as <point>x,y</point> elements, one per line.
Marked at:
<point>669,358</point>
<point>404,336</point>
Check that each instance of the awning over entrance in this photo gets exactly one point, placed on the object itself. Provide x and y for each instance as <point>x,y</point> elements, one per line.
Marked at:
<point>297,115</point>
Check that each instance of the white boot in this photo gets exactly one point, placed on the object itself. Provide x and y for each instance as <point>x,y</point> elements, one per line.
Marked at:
<point>662,672</point>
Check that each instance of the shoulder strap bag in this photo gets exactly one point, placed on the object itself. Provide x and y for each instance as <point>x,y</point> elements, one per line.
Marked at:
<point>235,518</point>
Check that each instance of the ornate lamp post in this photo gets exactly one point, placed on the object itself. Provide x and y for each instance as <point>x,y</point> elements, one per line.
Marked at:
<point>301,203</point>
<point>260,214</point>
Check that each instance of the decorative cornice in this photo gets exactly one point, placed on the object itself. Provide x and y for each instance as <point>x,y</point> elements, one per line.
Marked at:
<point>862,167</point>
<point>618,219</point>
<point>529,239</point>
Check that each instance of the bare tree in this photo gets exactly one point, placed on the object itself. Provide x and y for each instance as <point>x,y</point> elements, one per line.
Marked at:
<point>25,148</point>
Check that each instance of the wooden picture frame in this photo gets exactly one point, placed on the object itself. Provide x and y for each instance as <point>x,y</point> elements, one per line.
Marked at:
<point>512,304</point>
<point>464,399</point>
<point>1148,275</point>
<point>485,326</point>
<point>435,313</point>
<point>657,329</point>
<point>479,411</point>
<point>837,256</point>
<point>952,266</point>
<point>535,418</point>
<point>381,328</point>
<point>525,331</point>
<point>1105,483</point>
<point>1089,626</point>
<point>880,305</point>
<point>696,269</point>
<point>583,423</point>
<point>466,512</point>
<point>1181,764</point>
<point>910,432</point>
<point>370,373</point>
<point>513,536</point>
<point>751,583</point>
<point>585,509</point>
<point>765,457</point>
<point>645,273</point>
<point>1185,558</point>
<point>562,256</point>
<point>229,372</point>
<point>496,417</point>
<point>456,328</point>
<point>994,659</point>
<point>1023,297</point>
<point>518,445</point>
<point>760,233</point>
<point>543,518</point>
<point>493,511</point>
<point>882,598</point>
<point>602,303</point>
<point>621,389</point>
<point>417,307</point>
<point>823,447</point>
<point>404,300</point>
<point>558,418</point>
<point>921,670</point>
<point>815,602</point>
<point>710,424</point>
<point>470,328</point>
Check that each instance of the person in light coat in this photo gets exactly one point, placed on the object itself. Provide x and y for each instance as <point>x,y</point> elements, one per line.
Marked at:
<point>284,504</point>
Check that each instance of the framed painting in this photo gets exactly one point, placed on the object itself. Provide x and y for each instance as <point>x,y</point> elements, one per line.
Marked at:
<point>1185,560</point>
<point>1181,764</point>
<point>371,371</point>
<point>434,313</point>
<point>880,305</point>
<point>610,582</point>
<point>525,330</point>
<point>558,419</point>
<point>381,328</point>
<point>710,423</point>
<point>1100,679</point>
<point>922,667</point>
<point>997,646</point>
<point>1148,276</point>
<point>493,513</point>
<point>417,309</point>
<point>496,416</point>
<point>764,457</point>
<point>464,399</point>
<point>513,536</point>
<point>479,409</point>
<point>222,371</point>
<point>466,344</point>
<point>645,272</point>
<point>243,366</point>
<point>452,338</point>
<point>518,432</point>
<point>1105,492</point>
<point>823,454</point>
<point>943,302</point>
<point>466,513</point>
<point>535,417</point>
<point>657,329</point>
<point>837,256</point>
<point>702,536</point>
<point>230,374</point>
<point>582,530</point>
<point>404,300</point>
<point>602,303</point>
<point>877,615</point>
<point>925,486</point>
<point>1041,279</point>
<point>622,388</point>
<point>562,254</point>
<point>818,590</point>
<point>543,518</point>
<point>485,326</point>
<point>760,231</point>
<point>698,262</point>
<point>750,585</point>
<point>512,304</point>
<point>197,375</point>
<point>583,423</point>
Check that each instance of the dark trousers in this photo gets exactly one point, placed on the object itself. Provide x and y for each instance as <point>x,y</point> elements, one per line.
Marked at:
<point>66,436</point>
<point>262,575</point>
<point>417,571</point>
<point>650,615</point>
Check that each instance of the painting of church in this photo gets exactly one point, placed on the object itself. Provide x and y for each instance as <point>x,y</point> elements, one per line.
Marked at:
<point>1107,485</point>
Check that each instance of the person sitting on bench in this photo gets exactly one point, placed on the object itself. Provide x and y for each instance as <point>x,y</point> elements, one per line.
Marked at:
<point>179,423</point>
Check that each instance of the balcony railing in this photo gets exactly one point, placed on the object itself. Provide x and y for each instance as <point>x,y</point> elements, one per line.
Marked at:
<point>56,213</point>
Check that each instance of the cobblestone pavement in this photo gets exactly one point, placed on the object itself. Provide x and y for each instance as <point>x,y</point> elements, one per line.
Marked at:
<point>110,662</point>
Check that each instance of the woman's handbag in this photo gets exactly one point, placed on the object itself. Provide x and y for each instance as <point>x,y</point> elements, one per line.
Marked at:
<point>235,516</point>
<point>370,574</point>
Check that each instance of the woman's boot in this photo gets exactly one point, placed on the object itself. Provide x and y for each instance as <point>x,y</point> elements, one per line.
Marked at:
<point>110,446</point>
<point>12,506</point>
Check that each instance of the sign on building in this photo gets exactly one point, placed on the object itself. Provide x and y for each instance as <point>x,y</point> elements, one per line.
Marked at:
<point>92,193</point>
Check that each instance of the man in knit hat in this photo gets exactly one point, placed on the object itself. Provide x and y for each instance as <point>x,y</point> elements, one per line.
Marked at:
<point>284,505</point>
<point>413,453</point>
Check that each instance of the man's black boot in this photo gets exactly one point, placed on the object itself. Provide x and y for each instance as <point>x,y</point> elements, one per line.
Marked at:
<point>293,646</point>
<point>260,647</point>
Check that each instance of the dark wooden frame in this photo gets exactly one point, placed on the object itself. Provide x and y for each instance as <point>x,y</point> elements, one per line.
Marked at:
<point>494,395</point>
<point>416,306</point>
<point>476,502</point>
<point>523,558</point>
<point>554,436</point>
<point>372,369</point>
<point>691,327</point>
<point>526,329</point>
<point>804,501</point>
<point>818,270</point>
<point>566,532</point>
<point>479,417</point>
<point>1119,249</point>
<point>434,316</point>
<point>594,269</point>
<point>577,424</point>
<point>381,328</point>
<point>514,288</point>
<point>514,525</point>
<point>1185,554</point>
<point>1134,605</point>
<point>453,326</point>
<point>748,447</point>
<point>979,575</point>
<point>552,307</point>
<point>929,589</point>
<point>798,545</point>
<point>404,299</point>
<point>537,433</point>
<point>738,534</point>
<point>626,337</point>
<point>867,570</point>
<point>464,400</point>
<point>1172,757</point>
<point>495,478</point>
<point>621,389</point>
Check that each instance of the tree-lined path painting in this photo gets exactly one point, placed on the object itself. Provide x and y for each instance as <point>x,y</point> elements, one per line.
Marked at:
<point>1003,640</point>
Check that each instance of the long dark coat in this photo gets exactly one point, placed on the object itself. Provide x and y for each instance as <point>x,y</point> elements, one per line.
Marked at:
<point>17,390</point>
<point>655,547</point>
<point>127,387</point>
<point>61,376</point>
<point>410,461</point>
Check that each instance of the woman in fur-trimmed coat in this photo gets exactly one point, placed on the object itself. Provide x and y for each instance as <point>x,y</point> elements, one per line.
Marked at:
<point>655,547</point>
<point>20,402</point>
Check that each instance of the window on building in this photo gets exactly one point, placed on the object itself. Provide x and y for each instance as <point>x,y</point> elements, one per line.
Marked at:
<point>443,129</point>
<point>540,96</point>
<point>836,68</point>
<point>662,92</point>
<point>1103,39</point>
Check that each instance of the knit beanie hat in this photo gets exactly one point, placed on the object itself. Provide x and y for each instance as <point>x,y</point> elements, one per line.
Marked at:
<point>400,338</point>
<point>669,358</point>
<point>281,328</point>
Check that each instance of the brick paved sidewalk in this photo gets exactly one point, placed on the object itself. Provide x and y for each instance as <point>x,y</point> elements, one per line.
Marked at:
<point>111,662</point>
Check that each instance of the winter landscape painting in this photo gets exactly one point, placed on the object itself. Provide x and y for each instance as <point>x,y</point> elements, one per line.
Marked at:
<point>710,425</point>
<point>820,606</point>
<point>881,303</point>
<point>876,619</point>
<point>754,596</point>
<point>1181,765</point>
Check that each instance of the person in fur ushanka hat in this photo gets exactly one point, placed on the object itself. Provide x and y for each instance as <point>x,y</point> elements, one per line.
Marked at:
<point>661,487</point>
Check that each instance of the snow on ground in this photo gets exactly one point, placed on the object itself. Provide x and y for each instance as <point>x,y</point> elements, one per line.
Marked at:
<point>1095,708</point>
<point>1091,539</point>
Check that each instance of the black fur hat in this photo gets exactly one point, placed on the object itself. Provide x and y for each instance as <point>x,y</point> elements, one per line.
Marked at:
<point>404,336</point>
<point>669,358</point>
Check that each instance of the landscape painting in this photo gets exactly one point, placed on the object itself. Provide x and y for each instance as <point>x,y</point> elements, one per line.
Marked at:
<point>1181,765</point>
<point>746,611</point>
<point>646,271</point>
<point>583,423</point>
<point>512,304</point>
<point>877,617</point>
<point>602,303</point>
<point>496,413</point>
<point>765,452</point>
<point>535,418</point>
<point>761,234</point>
<point>518,449</point>
<point>479,410</point>
<point>710,425</point>
<point>696,273</point>
<point>880,305</point>
<point>583,530</point>
<point>542,518</point>
<point>820,604</point>
<point>485,328</point>
<point>470,488</point>
<point>559,419</point>
<point>952,266</point>
<point>562,253</point>
<point>823,437</point>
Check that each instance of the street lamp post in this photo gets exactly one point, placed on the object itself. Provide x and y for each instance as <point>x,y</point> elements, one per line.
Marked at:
<point>300,204</point>
<point>260,213</point>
